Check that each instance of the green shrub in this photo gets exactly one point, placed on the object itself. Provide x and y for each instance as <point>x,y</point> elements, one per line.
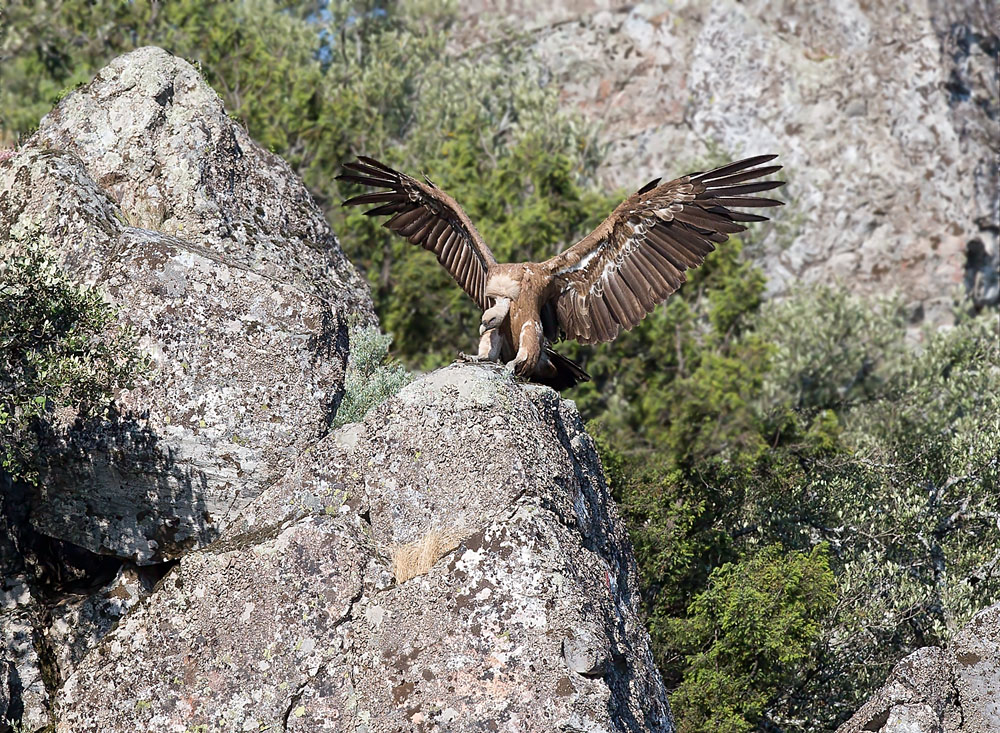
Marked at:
<point>371,378</point>
<point>60,346</point>
<point>747,636</point>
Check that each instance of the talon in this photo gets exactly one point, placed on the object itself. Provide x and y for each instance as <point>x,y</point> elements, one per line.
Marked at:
<point>462,356</point>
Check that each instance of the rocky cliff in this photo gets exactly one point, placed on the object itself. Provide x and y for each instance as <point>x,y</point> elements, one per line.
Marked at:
<point>884,114</point>
<point>216,255</point>
<point>223,561</point>
<point>934,690</point>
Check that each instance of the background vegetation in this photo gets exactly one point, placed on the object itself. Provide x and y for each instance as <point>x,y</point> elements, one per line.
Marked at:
<point>810,490</point>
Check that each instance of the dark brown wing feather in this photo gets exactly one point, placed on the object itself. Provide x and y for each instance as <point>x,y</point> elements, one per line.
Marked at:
<point>427,216</point>
<point>638,256</point>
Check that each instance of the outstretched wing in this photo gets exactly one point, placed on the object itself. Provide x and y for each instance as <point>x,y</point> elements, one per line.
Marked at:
<point>637,257</point>
<point>427,216</point>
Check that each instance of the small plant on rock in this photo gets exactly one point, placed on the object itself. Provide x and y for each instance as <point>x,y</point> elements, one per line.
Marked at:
<point>371,377</point>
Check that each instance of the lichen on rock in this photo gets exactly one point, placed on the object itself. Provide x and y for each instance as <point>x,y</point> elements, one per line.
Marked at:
<point>245,548</point>
<point>294,619</point>
<point>955,689</point>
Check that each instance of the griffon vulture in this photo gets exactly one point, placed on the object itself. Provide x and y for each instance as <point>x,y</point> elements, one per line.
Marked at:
<point>606,282</point>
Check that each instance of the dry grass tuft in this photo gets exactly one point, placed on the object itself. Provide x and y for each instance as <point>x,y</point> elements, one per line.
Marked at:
<point>416,558</point>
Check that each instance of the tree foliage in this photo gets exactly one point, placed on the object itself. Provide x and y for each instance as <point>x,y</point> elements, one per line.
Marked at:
<point>815,421</point>
<point>747,634</point>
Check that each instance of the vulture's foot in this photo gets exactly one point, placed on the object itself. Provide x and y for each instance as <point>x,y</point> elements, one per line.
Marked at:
<point>472,358</point>
<point>516,366</point>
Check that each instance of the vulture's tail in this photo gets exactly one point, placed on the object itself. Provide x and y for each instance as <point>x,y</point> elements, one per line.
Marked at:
<point>567,372</point>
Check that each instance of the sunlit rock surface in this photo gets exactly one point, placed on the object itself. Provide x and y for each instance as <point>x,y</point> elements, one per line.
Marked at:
<point>293,619</point>
<point>934,690</point>
<point>211,556</point>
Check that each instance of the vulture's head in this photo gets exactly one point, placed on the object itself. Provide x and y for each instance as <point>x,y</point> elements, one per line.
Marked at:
<point>494,316</point>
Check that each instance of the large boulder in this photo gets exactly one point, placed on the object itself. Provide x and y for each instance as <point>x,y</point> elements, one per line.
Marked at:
<point>221,263</point>
<point>934,690</point>
<point>884,115</point>
<point>294,619</point>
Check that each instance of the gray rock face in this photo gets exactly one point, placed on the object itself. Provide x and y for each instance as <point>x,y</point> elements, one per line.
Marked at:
<point>884,115</point>
<point>23,692</point>
<point>79,622</point>
<point>293,620</point>
<point>952,690</point>
<point>219,260</point>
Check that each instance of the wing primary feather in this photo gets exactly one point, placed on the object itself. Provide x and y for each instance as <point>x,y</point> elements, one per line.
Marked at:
<point>608,328</point>
<point>364,180</point>
<point>462,265</point>
<point>376,164</point>
<point>373,198</point>
<point>615,308</point>
<point>388,208</point>
<point>672,270</point>
<point>661,259</point>
<point>414,226</point>
<point>733,167</point>
<point>702,219</point>
<point>744,188</point>
<point>653,267</point>
<point>450,251</point>
<point>673,252</point>
<point>745,175</point>
<point>420,236</point>
<point>743,216</point>
<point>373,173</point>
<point>636,281</point>
<point>649,186</point>
<point>459,265</point>
<point>749,202</point>
<point>627,299</point>
<point>436,234</point>
<point>404,218</point>
<point>688,244</point>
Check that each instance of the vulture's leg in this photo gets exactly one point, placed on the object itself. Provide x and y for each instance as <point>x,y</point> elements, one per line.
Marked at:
<point>490,344</point>
<point>529,350</point>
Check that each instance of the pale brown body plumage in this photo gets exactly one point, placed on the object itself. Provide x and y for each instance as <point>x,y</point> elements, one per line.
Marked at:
<point>606,282</point>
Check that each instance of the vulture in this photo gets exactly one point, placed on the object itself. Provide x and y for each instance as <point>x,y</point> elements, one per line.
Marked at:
<point>606,282</point>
